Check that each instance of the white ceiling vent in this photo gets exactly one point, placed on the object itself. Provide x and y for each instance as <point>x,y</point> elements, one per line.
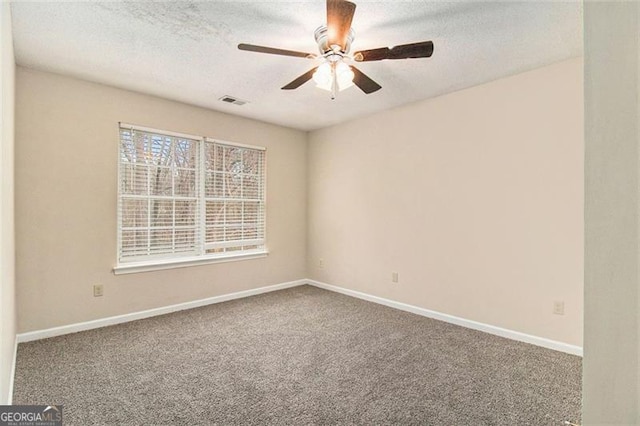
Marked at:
<point>231,100</point>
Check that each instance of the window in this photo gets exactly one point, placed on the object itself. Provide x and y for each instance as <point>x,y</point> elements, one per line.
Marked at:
<point>185,199</point>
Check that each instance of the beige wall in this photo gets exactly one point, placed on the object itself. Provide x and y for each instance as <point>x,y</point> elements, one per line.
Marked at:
<point>66,165</point>
<point>611,370</point>
<point>7,244</point>
<point>475,199</point>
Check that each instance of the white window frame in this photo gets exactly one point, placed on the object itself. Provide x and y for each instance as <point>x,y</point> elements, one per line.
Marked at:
<point>202,258</point>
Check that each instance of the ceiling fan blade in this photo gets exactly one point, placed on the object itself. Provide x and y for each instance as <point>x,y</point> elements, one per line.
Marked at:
<point>423,49</point>
<point>274,51</point>
<point>300,80</point>
<point>365,84</point>
<point>339,17</point>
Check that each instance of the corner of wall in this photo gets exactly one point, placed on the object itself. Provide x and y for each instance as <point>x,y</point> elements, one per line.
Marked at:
<point>611,367</point>
<point>7,229</point>
<point>307,137</point>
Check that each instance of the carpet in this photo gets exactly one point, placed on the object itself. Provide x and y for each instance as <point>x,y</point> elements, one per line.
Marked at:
<point>297,356</point>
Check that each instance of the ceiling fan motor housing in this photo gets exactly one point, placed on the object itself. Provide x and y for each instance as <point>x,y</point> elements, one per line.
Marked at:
<point>322,38</point>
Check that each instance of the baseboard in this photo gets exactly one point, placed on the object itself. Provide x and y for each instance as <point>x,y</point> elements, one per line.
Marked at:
<point>12,375</point>
<point>119,319</point>
<point>104,322</point>
<point>498,331</point>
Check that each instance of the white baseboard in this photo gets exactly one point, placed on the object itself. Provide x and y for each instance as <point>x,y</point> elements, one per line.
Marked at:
<point>119,319</point>
<point>104,322</point>
<point>13,370</point>
<point>498,331</point>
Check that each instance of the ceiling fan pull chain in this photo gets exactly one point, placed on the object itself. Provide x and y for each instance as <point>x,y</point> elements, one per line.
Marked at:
<point>334,81</point>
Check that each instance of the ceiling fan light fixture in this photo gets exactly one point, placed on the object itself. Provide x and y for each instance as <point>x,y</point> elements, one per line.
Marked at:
<point>333,75</point>
<point>323,76</point>
<point>344,75</point>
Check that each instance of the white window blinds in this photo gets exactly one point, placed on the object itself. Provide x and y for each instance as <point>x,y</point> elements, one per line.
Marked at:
<point>184,196</point>
<point>234,198</point>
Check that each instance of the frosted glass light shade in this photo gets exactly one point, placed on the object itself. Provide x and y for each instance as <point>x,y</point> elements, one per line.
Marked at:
<point>344,75</point>
<point>323,76</point>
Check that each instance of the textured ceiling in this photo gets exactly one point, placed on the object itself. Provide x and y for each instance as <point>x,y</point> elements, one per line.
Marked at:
<point>187,51</point>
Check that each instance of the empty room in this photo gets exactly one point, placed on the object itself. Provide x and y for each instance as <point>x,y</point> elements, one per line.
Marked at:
<point>320,212</point>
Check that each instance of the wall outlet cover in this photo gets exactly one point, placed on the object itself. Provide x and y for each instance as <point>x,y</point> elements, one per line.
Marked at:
<point>558,308</point>
<point>98,290</point>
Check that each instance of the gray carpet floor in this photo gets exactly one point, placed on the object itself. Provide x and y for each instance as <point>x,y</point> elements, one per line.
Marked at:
<point>297,356</point>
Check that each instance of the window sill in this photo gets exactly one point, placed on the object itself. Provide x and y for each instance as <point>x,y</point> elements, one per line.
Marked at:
<point>158,265</point>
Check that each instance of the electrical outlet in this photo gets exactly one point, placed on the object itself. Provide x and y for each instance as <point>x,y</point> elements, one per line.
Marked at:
<point>394,277</point>
<point>558,308</point>
<point>321,263</point>
<point>98,290</point>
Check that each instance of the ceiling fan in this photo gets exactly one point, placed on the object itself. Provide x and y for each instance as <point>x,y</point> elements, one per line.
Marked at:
<point>334,43</point>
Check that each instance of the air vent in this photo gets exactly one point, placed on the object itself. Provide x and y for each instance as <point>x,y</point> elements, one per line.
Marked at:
<point>231,100</point>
